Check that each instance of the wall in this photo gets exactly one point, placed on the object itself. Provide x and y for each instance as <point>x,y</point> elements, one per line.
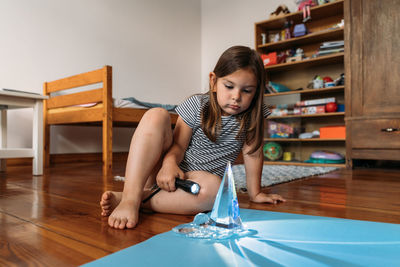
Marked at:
<point>225,23</point>
<point>153,47</point>
<point>161,51</point>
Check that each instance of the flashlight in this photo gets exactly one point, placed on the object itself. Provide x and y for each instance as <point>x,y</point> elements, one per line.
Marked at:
<point>188,186</point>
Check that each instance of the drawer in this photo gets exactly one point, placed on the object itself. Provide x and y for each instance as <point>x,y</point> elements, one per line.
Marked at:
<point>375,133</point>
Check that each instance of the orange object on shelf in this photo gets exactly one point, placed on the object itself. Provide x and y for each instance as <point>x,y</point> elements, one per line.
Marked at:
<point>332,132</point>
<point>269,59</point>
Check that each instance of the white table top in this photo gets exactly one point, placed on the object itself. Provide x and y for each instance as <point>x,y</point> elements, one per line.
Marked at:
<point>9,92</point>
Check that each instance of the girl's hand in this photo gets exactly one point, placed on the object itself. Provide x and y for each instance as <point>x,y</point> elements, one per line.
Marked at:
<point>166,177</point>
<point>267,198</point>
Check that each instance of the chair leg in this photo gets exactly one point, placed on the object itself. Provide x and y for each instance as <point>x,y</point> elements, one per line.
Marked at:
<point>107,146</point>
<point>46,145</point>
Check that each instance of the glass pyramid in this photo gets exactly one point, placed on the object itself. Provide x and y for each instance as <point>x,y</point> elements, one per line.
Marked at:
<point>225,212</point>
<point>224,220</point>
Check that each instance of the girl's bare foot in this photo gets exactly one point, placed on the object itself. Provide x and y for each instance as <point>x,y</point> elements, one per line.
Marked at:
<point>109,201</point>
<point>123,213</point>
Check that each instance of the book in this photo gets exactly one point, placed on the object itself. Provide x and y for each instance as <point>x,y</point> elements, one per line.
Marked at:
<point>313,110</point>
<point>314,102</point>
<point>332,44</point>
<point>328,52</point>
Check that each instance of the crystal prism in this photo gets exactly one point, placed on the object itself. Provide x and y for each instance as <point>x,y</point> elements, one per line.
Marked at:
<point>225,212</point>
<point>224,220</point>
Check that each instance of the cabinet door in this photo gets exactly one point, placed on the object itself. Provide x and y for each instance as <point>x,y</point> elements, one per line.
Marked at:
<point>374,58</point>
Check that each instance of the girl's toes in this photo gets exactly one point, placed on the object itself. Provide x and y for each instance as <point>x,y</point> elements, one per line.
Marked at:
<point>131,223</point>
<point>122,223</point>
<point>111,221</point>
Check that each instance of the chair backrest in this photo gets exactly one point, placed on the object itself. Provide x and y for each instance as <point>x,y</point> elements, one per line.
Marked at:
<point>100,95</point>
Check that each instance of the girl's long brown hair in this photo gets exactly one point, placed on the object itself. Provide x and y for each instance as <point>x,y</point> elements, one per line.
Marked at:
<point>233,59</point>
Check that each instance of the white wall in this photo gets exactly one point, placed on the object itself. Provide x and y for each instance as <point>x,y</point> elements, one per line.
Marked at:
<point>225,23</point>
<point>152,45</point>
<point>161,51</point>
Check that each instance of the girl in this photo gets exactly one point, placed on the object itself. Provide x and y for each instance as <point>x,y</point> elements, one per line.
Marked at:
<point>211,130</point>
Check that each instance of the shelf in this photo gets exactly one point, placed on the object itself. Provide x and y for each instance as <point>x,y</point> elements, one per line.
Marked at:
<point>323,27</point>
<point>323,60</point>
<point>310,91</point>
<point>304,140</point>
<point>296,163</point>
<point>317,12</point>
<point>307,115</point>
<point>321,36</point>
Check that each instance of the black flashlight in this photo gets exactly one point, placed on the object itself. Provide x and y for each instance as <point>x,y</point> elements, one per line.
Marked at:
<point>188,186</point>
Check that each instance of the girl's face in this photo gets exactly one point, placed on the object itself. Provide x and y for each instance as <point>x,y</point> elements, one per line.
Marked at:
<point>234,91</point>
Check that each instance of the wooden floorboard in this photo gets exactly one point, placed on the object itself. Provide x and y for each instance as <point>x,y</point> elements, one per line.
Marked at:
<point>54,219</point>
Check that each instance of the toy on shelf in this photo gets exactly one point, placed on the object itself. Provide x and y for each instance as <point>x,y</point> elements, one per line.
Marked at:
<point>339,81</point>
<point>274,36</point>
<point>300,30</point>
<point>309,135</point>
<point>305,5</point>
<point>269,59</point>
<point>285,34</point>
<point>280,130</point>
<point>279,88</point>
<point>331,107</point>
<point>279,12</point>
<point>272,151</point>
<point>333,132</point>
<point>263,38</point>
<point>298,56</point>
<point>317,82</point>
<point>325,157</point>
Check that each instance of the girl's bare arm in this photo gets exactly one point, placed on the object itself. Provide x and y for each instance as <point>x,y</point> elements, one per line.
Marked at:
<point>253,164</point>
<point>170,169</point>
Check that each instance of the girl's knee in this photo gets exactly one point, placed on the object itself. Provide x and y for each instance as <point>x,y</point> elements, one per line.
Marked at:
<point>156,118</point>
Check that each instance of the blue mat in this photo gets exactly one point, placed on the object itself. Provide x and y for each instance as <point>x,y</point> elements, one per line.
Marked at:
<point>283,239</point>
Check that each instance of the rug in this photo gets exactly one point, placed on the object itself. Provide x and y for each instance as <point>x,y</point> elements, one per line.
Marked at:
<point>272,174</point>
<point>276,174</point>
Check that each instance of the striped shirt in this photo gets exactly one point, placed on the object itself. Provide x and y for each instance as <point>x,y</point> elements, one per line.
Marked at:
<point>202,154</point>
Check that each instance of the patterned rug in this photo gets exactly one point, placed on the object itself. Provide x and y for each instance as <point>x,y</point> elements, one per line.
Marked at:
<point>276,174</point>
<point>272,174</point>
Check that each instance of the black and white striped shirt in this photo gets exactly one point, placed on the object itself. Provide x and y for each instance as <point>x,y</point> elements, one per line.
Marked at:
<point>202,154</point>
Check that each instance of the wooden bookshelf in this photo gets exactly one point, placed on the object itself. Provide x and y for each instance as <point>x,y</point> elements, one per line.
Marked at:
<point>322,27</point>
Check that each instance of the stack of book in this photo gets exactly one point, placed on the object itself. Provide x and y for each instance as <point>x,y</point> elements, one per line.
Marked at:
<point>327,48</point>
<point>314,106</point>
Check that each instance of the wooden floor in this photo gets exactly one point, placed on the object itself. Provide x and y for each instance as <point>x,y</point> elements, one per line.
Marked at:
<point>54,219</point>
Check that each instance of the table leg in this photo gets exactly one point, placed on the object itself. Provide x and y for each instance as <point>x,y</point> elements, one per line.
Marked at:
<point>37,138</point>
<point>3,137</point>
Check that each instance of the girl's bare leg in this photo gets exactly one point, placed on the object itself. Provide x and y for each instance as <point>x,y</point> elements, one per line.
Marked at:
<point>152,138</point>
<point>181,202</point>
<point>178,202</point>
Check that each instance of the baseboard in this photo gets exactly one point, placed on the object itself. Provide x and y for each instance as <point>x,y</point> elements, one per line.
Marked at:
<point>69,158</point>
<point>82,157</point>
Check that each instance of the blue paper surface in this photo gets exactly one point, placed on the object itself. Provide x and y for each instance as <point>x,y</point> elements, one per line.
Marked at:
<point>283,239</point>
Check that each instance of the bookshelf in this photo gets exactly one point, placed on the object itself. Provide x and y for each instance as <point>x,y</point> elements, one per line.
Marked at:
<point>322,28</point>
